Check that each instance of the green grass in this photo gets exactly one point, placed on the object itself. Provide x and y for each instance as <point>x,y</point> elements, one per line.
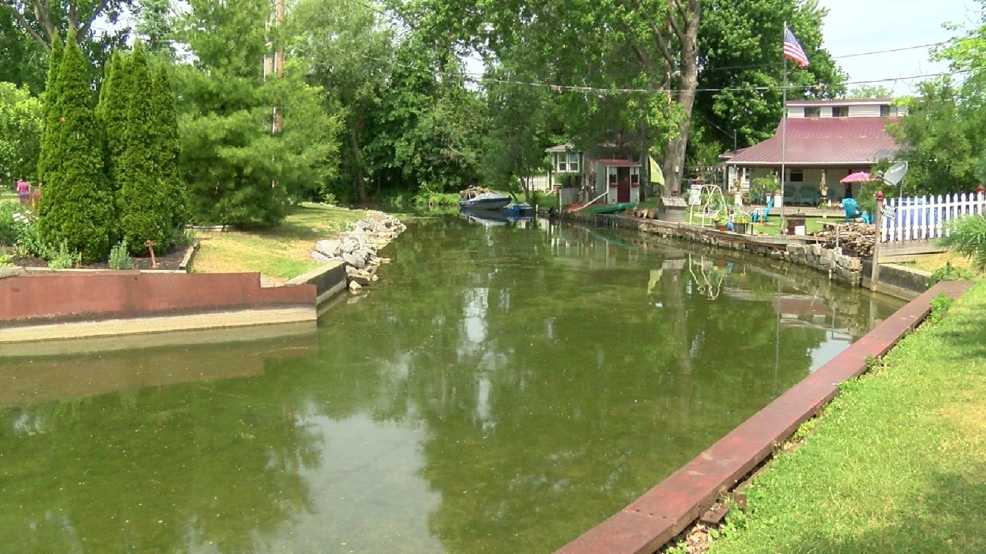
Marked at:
<point>895,464</point>
<point>8,196</point>
<point>812,225</point>
<point>281,252</point>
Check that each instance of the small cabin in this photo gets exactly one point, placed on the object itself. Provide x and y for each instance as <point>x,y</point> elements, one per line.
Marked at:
<point>619,179</point>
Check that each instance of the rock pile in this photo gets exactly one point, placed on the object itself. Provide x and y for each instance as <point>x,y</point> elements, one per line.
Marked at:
<point>357,248</point>
<point>856,238</point>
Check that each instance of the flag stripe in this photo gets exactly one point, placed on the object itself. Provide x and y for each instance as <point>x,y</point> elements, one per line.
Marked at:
<point>793,49</point>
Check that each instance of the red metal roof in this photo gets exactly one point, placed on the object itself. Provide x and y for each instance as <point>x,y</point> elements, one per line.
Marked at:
<point>824,141</point>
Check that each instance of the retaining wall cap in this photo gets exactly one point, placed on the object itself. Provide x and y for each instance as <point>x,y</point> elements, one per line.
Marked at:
<point>11,271</point>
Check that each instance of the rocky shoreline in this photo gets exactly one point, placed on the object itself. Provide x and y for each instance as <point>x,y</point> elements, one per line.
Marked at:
<point>357,248</point>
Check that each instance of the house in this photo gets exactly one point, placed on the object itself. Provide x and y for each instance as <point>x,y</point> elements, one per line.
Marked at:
<point>610,180</point>
<point>825,140</point>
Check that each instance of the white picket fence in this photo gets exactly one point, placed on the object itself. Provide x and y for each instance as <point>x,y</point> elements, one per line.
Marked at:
<point>924,218</point>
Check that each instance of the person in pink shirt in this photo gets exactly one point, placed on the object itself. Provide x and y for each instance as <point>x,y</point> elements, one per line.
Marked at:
<point>23,190</point>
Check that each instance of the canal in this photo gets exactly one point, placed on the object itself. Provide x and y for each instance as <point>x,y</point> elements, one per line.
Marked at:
<point>502,388</point>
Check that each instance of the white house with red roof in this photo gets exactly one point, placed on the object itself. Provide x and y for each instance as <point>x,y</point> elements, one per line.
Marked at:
<point>824,140</point>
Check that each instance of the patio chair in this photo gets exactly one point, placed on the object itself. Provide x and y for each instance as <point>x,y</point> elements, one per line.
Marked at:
<point>851,208</point>
<point>763,215</point>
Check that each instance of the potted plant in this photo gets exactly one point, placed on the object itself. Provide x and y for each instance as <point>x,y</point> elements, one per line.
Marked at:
<point>740,221</point>
<point>722,221</point>
<point>769,185</point>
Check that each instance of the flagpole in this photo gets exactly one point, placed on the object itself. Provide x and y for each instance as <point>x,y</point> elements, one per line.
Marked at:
<point>783,129</point>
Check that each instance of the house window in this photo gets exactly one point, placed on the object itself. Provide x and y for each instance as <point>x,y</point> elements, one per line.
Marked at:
<point>888,111</point>
<point>562,163</point>
<point>573,162</point>
<point>813,112</point>
<point>840,111</point>
<point>797,176</point>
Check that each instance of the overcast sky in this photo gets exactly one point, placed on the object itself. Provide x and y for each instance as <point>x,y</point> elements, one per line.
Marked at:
<point>858,26</point>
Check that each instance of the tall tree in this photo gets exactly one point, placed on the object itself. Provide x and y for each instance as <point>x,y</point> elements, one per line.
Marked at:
<point>24,59</point>
<point>351,64</point>
<point>76,203</point>
<point>742,69</point>
<point>21,118</point>
<point>48,108</point>
<point>167,148</point>
<point>142,200</point>
<point>943,137</point>
<point>237,170</point>
<point>154,26</point>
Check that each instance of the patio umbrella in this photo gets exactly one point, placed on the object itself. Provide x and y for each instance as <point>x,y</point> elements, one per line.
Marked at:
<point>858,177</point>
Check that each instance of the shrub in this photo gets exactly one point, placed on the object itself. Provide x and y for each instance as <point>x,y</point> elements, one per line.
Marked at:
<point>950,273</point>
<point>9,226</point>
<point>120,256</point>
<point>64,258</point>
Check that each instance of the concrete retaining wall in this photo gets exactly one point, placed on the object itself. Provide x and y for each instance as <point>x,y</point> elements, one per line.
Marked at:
<point>329,280</point>
<point>74,305</point>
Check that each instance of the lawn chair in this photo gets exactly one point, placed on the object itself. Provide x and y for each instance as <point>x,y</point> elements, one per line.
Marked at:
<point>763,215</point>
<point>852,209</point>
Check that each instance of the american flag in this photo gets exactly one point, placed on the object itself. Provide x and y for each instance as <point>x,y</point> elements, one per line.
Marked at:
<point>793,49</point>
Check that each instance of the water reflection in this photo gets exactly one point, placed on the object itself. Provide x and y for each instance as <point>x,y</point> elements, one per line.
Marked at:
<point>501,389</point>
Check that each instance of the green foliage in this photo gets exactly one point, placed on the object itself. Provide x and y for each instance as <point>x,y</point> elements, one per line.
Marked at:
<point>47,108</point>
<point>154,26</point>
<point>64,257</point>
<point>237,171</point>
<point>167,148</point>
<point>76,206</point>
<point>120,256</point>
<point>13,218</point>
<point>967,236</point>
<point>142,199</point>
<point>117,88</point>
<point>21,119</point>
<point>949,272</point>
<point>739,47</point>
<point>24,59</point>
<point>939,307</point>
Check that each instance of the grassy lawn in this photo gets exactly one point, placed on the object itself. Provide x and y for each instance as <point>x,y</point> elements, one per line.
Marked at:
<point>8,196</point>
<point>281,252</point>
<point>896,464</point>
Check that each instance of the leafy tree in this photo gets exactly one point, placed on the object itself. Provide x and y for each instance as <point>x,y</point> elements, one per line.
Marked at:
<point>869,91</point>
<point>43,21</point>
<point>519,120</point>
<point>351,64</point>
<point>740,45</point>
<point>76,203</point>
<point>943,136</point>
<point>21,118</point>
<point>968,238</point>
<point>24,60</point>
<point>237,170</point>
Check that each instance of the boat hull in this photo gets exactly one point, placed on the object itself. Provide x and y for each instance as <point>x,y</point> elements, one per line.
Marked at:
<point>484,203</point>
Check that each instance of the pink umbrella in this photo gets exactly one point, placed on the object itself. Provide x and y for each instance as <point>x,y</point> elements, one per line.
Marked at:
<point>858,177</point>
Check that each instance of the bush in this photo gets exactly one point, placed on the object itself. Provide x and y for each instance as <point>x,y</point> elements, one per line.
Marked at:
<point>10,228</point>
<point>64,258</point>
<point>120,256</point>
<point>950,273</point>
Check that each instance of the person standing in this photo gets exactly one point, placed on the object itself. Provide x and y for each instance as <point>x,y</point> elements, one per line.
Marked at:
<point>23,190</point>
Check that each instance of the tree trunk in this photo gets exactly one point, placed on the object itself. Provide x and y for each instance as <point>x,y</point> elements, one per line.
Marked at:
<point>360,179</point>
<point>674,154</point>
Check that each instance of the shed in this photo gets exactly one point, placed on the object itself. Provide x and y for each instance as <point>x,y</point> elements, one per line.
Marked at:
<point>619,180</point>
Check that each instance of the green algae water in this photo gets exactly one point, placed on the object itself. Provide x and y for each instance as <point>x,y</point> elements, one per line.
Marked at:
<point>502,388</point>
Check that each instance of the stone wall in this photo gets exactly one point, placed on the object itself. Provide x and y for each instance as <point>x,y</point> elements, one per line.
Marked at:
<point>839,267</point>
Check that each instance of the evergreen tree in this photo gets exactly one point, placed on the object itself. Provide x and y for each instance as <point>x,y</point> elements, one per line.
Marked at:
<point>154,26</point>
<point>143,199</point>
<point>112,111</point>
<point>76,204</point>
<point>167,148</point>
<point>48,101</point>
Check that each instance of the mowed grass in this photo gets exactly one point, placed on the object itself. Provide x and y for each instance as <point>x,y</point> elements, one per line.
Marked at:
<point>896,464</point>
<point>281,252</point>
<point>8,196</point>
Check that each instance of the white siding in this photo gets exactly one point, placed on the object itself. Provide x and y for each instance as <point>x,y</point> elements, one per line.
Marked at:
<point>864,110</point>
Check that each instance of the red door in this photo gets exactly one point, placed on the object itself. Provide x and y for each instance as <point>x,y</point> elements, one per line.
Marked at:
<point>623,184</point>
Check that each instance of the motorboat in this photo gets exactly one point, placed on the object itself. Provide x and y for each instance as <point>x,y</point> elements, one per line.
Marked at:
<point>482,199</point>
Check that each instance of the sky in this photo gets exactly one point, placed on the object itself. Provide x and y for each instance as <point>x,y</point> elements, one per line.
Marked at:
<point>860,26</point>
